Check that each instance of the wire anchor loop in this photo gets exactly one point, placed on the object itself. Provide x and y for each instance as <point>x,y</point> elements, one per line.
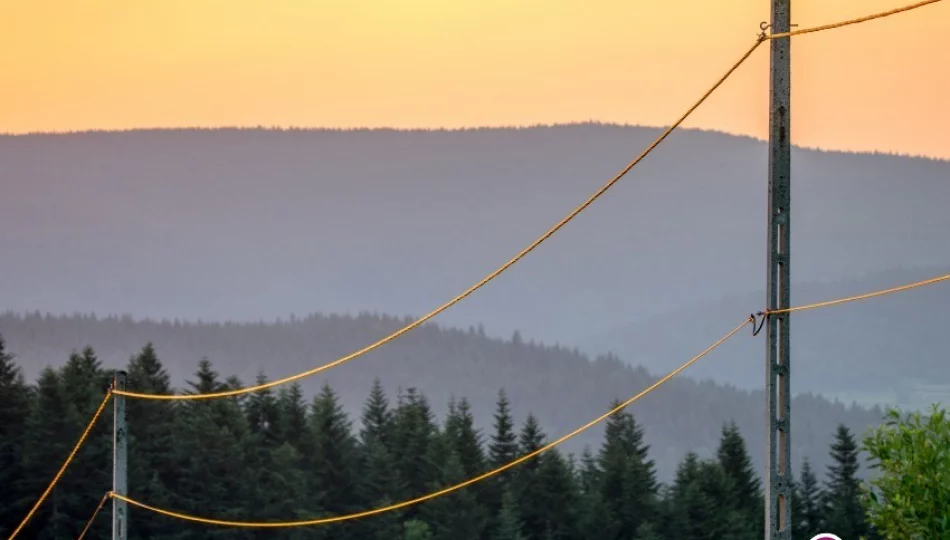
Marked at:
<point>764,315</point>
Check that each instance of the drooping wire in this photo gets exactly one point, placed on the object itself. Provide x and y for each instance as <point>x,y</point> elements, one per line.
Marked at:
<point>865,296</point>
<point>603,189</point>
<point>62,469</point>
<point>850,22</point>
<point>469,291</point>
<point>92,518</point>
<point>444,491</point>
<point>750,320</point>
<point>550,232</point>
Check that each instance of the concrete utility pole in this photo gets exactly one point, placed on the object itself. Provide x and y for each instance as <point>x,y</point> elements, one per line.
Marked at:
<point>778,523</point>
<point>120,439</point>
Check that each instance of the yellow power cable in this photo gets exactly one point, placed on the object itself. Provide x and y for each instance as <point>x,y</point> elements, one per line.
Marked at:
<point>471,289</point>
<point>62,469</point>
<point>460,297</point>
<point>849,22</point>
<point>526,457</point>
<point>450,489</point>
<point>93,517</point>
<point>603,189</point>
<point>874,294</point>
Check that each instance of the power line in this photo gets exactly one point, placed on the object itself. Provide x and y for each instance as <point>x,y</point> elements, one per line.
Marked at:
<point>62,469</point>
<point>531,247</point>
<point>850,22</point>
<point>92,518</point>
<point>481,283</point>
<point>526,457</point>
<point>603,189</point>
<point>450,489</point>
<point>874,294</point>
<point>804,307</point>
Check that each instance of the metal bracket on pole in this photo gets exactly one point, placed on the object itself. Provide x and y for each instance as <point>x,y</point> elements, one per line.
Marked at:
<point>120,439</point>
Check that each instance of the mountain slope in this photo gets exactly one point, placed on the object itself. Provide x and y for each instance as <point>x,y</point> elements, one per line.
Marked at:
<point>250,224</point>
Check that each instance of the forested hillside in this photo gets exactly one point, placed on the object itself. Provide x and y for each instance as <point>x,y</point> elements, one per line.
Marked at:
<point>562,388</point>
<point>278,456</point>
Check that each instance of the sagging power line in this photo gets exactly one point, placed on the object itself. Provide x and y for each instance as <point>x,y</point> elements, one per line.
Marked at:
<point>768,311</point>
<point>541,239</point>
<point>749,320</point>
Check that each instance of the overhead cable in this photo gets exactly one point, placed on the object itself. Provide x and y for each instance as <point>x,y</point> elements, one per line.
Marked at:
<point>444,491</point>
<point>603,189</point>
<point>62,469</point>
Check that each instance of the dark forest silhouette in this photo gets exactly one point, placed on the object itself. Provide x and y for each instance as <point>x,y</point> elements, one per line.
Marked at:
<point>276,455</point>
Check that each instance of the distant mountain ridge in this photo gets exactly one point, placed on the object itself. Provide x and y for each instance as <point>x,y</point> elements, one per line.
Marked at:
<point>244,224</point>
<point>253,224</point>
<point>563,388</point>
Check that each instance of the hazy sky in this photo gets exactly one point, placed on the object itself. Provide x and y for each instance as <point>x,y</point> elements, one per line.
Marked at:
<point>107,64</point>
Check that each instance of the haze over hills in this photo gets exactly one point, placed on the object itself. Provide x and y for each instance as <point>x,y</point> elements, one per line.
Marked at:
<point>247,225</point>
<point>890,349</point>
<point>562,388</point>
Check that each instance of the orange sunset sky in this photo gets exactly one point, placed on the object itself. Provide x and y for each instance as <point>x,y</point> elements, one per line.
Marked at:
<point>119,64</point>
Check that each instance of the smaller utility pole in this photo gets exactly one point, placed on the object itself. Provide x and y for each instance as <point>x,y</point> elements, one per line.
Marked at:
<point>120,439</point>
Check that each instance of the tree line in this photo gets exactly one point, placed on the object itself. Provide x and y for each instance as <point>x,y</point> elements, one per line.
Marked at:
<point>560,386</point>
<point>272,455</point>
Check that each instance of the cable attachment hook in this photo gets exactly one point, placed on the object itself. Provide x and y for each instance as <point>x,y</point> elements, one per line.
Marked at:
<point>756,330</point>
<point>764,26</point>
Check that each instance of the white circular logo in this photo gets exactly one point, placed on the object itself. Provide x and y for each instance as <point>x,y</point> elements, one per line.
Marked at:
<point>825,536</point>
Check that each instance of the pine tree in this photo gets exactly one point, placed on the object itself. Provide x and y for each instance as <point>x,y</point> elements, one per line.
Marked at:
<point>334,462</point>
<point>292,419</point>
<point>508,525</point>
<point>464,439</point>
<point>530,440</point>
<point>413,433</point>
<point>287,493</point>
<point>151,426</point>
<point>379,483</point>
<point>456,516</point>
<point>45,448</point>
<point>502,449</point>
<point>557,497</point>
<point>262,412</point>
<point>526,482</point>
<point>806,503</point>
<point>57,417</point>
<point>684,499</point>
<point>415,529</point>
<point>14,410</point>
<point>211,442</point>
<point>377,420</point>
<point>698,505</point>
<point>747,498</point>
<point>267,469</point>
<point>208,380</point>
<point>842,506</point>
<point>721,521</point>
<point>594,520</point>
<point>83,385</point>
<point>628,481</point>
